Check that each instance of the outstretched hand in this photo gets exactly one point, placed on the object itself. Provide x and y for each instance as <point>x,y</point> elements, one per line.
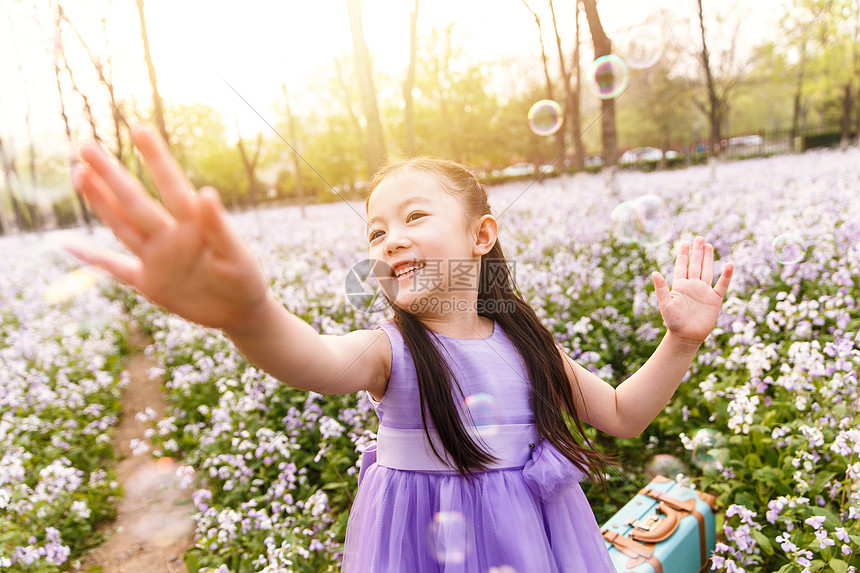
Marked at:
<point>691,308</point>
<point>185,255</point>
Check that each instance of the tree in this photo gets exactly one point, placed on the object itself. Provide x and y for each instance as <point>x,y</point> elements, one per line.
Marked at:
<point>156,97</point>
<point>375,144</point>
<point>200,145</point>
<point>409,83</point>
<point>722,80</point>
<point>603,47</point>
<point>548,79</point>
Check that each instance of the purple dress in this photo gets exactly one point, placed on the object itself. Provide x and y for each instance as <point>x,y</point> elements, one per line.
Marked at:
<point>414,514</point>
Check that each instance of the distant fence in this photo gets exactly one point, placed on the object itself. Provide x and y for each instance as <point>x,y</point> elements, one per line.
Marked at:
<point>782,140</point>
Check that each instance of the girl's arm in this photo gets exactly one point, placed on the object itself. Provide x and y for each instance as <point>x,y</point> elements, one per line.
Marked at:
<point>690,311</point>
<point>186,258</point>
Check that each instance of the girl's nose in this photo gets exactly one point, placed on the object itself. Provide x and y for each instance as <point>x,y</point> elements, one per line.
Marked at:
<point>395,240</point>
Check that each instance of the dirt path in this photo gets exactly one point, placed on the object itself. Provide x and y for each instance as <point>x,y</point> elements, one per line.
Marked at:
<point>153,529</point>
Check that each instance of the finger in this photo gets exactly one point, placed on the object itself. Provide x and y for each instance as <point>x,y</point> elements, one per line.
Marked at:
<point>725,278</point>
<point>220,235</point>
<point>694,270</point>
<point>139,207</point>
<point>681,263</point>
<point>661,288</point>
<point>175,189</point>
<point>708,264</point>
<point>106,207</point>
<point>121,267</point>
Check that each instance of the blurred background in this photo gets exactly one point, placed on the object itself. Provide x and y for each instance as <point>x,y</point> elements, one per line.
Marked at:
<point>237,91</point>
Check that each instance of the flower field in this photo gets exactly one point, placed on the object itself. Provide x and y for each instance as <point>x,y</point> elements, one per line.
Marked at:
<point>767,420</point>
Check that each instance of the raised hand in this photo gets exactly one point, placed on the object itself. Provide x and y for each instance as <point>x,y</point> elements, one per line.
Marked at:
<point>691,308</point>
<point>185,255</point>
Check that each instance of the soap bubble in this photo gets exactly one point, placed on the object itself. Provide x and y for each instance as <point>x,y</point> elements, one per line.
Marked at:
<point>788,249</point>
<point>623,218</point>
<point>709,448</point>
<point>447,537</point>
<point>485,413</point>
<point>545,117</point>
<point>665,465</point>
<point>654,220</point>
<point>642,46</point>
<point>644,220</point>
<point>608,76</point>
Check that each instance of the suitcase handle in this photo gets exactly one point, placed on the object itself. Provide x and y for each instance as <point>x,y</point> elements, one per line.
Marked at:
<point>661,531</point>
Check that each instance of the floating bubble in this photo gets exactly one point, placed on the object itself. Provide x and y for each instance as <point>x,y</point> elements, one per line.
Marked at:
<point>447,537</point>
<point>71,285</point>
<point>710,448</point>
<point>623,218</point>
<point>665,465</point>
<point>608,76</point>
<point>654,220</point>
<point>642,47</point>
<point>788,249</point>
<point>644,220</point>
<point>545,117</point>
<point>485,413</point>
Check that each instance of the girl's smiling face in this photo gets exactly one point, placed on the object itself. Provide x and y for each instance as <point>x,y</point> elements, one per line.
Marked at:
<point>414,222</point>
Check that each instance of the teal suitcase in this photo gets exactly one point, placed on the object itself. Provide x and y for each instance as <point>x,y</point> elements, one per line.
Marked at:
<point>665,528</point>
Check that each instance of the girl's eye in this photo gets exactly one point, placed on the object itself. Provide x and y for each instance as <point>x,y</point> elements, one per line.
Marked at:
<point>374,235</point>
<point>411,215</point>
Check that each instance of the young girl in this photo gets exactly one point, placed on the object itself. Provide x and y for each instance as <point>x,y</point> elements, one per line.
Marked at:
<point>475,469</point>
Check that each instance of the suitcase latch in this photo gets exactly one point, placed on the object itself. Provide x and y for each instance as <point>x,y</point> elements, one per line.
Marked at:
<point>648,524</point>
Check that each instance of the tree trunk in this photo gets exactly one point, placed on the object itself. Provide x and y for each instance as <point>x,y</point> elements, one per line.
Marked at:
<point>156,97</point>
<point>250,164</point>
<point>576,105</point>
<point>359,134</point>
<point>798,94</point>
<point>409,84</point>
<point>568,96</point>
<point>549,91</point>
<point>84,210</point>
<point>713,101</point>
<point>375,149</point>
<point>300,189</point>
<point>847,106</point>
<point>105,74</point>
<point>603,47</point>
<point>10,174</point>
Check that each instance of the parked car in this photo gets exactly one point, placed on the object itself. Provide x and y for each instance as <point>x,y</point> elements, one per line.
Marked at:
<point>518,169</point>
<point>641,154</point>
<point>746,141</point>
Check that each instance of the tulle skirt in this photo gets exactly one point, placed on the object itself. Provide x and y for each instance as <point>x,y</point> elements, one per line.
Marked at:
<point>513,520</point>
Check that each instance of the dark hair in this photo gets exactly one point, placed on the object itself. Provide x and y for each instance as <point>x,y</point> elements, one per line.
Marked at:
<point>552,393</point>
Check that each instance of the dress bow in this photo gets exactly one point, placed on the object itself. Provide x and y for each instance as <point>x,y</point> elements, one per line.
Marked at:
<point>548,471</point>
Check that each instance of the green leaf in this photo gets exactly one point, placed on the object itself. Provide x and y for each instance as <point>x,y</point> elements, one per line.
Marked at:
<point>763,541</point>
<point>838,566</point>
<point>335,485</point>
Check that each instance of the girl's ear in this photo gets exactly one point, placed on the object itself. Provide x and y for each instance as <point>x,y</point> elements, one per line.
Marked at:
<point>485,238</point>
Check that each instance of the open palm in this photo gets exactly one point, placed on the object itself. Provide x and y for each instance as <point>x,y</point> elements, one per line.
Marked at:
<point>185,256</point>
<point>691,308</point>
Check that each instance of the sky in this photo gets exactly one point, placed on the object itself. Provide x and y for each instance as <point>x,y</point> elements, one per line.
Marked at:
<point>257,46</point>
